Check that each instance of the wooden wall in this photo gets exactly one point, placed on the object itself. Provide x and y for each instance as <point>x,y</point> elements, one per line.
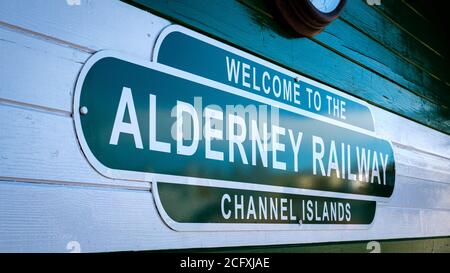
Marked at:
<point>51,197</point>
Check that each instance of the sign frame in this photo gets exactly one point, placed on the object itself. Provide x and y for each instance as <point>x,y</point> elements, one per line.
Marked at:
<point>153,178</point>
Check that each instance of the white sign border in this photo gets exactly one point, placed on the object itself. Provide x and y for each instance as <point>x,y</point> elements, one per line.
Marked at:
<point>153,177</point>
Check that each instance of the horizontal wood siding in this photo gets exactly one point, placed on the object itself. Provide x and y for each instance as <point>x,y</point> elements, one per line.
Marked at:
<point>49,193</point>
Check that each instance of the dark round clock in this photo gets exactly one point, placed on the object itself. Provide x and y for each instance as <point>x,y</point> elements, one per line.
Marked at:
<point>309,17</point>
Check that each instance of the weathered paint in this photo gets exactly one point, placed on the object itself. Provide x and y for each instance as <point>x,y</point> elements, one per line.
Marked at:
<point>323,58</point>
<point>51,196</point>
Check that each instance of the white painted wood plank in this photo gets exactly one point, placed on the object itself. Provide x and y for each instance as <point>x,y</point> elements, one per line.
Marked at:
<point>39,145</point>
<point>38,72</point>
<point>45,218</point>
<point>409,133</point>
<point>413,163</point>
<point>412,171</point>
<point>96,25</point>
<point>420,193</point>
<point>435,221</point>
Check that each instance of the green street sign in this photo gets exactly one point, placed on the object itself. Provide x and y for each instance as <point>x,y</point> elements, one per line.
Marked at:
<point>192,52</point>
<point>198,140</point>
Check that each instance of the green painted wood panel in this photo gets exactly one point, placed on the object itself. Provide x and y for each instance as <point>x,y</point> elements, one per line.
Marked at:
<point>368,20</point>
<point>414,245</point>
<point>346,40</point>
<point>248,29</point>
<point>434,12</point>
<point>411,21</point>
